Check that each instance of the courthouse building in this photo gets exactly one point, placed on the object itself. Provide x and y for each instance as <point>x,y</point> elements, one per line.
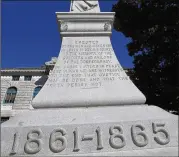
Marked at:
<point>20,85</point>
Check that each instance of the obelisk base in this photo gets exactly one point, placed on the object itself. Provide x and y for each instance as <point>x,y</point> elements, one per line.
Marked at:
<point>98,131</point>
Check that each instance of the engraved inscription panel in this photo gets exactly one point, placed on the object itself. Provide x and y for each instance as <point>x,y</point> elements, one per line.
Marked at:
<point>90,138</point>
<point>85,64</point>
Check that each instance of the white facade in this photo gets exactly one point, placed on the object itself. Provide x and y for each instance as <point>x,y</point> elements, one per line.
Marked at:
<point>25,88</point>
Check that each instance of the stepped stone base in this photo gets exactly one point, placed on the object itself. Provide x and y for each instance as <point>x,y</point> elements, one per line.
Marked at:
<point>98,131</point>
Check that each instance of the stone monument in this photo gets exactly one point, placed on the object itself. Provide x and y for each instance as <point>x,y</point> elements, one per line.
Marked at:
<point>89,106</point>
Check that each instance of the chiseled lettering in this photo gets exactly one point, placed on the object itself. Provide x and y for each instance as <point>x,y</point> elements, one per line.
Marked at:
<point>159,128</point>
<point>114,135</point>
<point>134,134</point>
<point>55,136</point>
<point>35,140</point>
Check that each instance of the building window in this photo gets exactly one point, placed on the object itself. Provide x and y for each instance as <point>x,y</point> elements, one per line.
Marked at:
<point>10,95</point>
<point>15,78</point>
<point>36,91</point>
<point>3,119</point>
<point>27,78</point>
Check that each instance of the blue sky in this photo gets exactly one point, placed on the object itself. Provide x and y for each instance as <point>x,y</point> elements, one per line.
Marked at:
<point>30,35</point>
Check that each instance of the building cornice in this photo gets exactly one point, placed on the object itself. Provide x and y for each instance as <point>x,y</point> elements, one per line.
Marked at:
<point>22,70</point>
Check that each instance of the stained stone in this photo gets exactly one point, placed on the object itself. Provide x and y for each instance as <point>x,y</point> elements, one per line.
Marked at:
<point>89,106</point>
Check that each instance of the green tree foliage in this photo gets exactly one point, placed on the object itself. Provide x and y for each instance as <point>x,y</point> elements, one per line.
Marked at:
<point>153,26</point>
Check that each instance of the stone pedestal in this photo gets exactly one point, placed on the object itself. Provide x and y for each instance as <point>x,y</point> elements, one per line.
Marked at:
<point>87,72</point>
<point>94,131</point>
<point>89,106</point>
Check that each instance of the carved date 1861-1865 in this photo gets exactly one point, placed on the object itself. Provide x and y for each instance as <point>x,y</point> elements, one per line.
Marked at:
<point>58,138</point>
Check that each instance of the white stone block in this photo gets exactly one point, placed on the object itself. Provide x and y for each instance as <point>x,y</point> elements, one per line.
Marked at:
<point>98,131</point>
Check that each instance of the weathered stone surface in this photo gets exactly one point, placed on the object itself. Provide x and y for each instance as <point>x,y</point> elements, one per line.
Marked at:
<point>87,73</point>
<point>97,111</point>
<point>147,131</point>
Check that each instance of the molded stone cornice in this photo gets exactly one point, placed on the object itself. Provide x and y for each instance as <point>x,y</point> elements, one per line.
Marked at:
<point>80,24</point>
